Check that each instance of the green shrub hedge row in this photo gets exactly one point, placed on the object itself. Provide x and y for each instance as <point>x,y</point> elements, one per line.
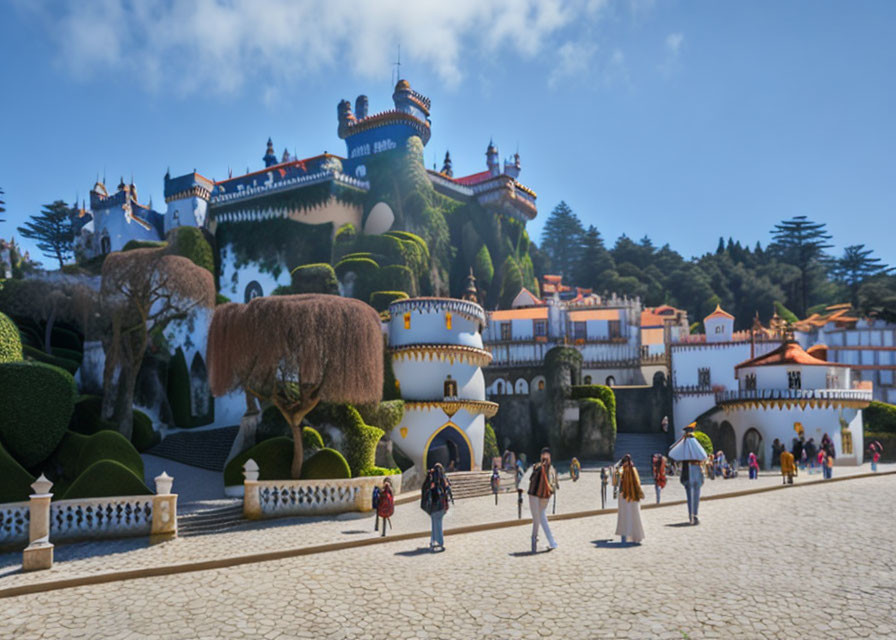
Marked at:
<point>16,484</point>
<point>274,458</point>
<point>105,478</point>
<point>37,401</point>
<point>326,464</point>
<point>110,445</point>
<point>360,439</point>
<point>39,355</point>
<point>143,435</point>
<point>879,417</point>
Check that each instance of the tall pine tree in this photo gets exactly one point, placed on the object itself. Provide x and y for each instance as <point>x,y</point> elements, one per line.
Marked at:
<point>52,232</point>
<point>801,242</point>
<point>856,266</point>
<point>2,204</point>
<point>594,260</point>
<point>562,240</point>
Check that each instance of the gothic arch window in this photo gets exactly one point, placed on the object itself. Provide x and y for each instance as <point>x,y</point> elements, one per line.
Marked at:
<point>450,387</point>
<point>499,387</point>
<point>521,387</point>
<point>200,391</point>
<point>253,290</point>
<point>794,380</point>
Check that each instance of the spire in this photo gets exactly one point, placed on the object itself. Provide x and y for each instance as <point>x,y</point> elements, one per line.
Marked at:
<point>491,158</point>
<point>168,173</point>
<point>269,158</point>
<point>446,167</point>
<point>471,293</point>
<point>285,157</point>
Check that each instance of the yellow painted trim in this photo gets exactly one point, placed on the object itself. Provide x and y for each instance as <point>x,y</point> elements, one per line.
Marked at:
<point>473,465</point>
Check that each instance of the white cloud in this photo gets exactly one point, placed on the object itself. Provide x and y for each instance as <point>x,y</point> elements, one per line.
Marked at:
<point>574,60</point>
<point>673,46</point>
<point>218,45</point>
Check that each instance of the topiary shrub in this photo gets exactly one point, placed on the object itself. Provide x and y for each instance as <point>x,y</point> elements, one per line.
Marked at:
<point>360,442</point>
<point>326,464</point>
<point>315,278</point>
<point>879,417</point>
<point>110,445</point>
<point>600,392</point>
<point>704,441</point>
<point>179,390</point>
<point>396,277</point>
<point>381,471</point>
<point>86,418</point>
<point>191,244</point>
<point>106,478</point>
<point>144,436</point>
<point>39,355</point>
<point>10,341</point>
<point>37,401</point>
<point>380,300</point>
<point>62,465</point>
<point>490,447</point>
<point>16,484</point>
<point>785,313</point>
<point>386,415</point>
<point>311,439</point>
<point>274,458</point>
<point>363,267</point>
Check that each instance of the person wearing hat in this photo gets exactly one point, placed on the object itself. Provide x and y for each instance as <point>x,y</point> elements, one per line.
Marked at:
<point>542,485</point>
<point>691,455</point>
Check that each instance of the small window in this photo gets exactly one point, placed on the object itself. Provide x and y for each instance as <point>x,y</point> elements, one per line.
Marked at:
<point>540,328</point>
<point>703,377</point>
<point>579,331</point>
<point>587,379</point>
<point>450,388</point>
<point>505,331</point>
<point>611,381</point>
<point>720,329</point>
<point>541,385</point>
<point>407,320</point>
<point>448,320</point>
<point>794,380</point>
<point>846,442</point>
<point>750,382</point>
<point>615,329</point>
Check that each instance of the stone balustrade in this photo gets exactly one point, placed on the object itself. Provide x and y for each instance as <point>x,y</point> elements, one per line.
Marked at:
<point>278,498</point>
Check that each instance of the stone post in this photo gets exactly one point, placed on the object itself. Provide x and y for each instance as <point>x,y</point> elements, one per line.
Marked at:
<point>39,552</point>
<point>164,510</point>
<point>251,503</point>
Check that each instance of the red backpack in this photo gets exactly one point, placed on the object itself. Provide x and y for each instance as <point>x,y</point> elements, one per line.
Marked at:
<point>386,505</point>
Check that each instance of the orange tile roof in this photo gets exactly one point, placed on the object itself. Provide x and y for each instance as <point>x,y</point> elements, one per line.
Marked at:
<point>523,313</point>
<point>787,353</point>
<point>719,313</point>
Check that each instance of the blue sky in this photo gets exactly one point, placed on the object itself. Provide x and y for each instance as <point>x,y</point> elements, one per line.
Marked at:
<point>683,121</point>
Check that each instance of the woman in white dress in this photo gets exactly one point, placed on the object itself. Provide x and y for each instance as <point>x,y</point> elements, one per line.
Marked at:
<point>628,518</point>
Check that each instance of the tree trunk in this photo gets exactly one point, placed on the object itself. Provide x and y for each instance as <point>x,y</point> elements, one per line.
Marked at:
<point>294,417</point>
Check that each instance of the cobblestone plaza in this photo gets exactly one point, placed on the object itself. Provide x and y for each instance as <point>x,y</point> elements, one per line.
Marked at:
<point>814,561</point>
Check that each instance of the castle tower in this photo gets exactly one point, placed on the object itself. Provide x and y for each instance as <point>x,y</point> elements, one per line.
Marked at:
<point>719,325</point>
<point>437,355</point>
<point>270,158</point>
<point>361,106</point>
<point>446,166</point>
<point>491,159</point>
<point>187,197</point>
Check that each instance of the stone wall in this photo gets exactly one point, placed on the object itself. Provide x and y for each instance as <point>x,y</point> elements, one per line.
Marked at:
<point>641,409</point>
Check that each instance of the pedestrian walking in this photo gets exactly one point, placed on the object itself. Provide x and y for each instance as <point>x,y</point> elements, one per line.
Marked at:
<point>812,455</point>
<point>495,482</point>
<point>604,481</point>
<point>376,504</point>
<point>827,468</point>
<point>386,504</point>
<point>434,500</point>
<point>628,515</point>
<point>876,449</point>
<point>659,474</point>
<point>692,456</point>
<point>542,485</point>
<point>575,468</point>
<point>753,463</point>
<point>788,468</point>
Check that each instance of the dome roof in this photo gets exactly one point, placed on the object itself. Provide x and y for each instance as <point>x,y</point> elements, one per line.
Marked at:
<point>403,84</point>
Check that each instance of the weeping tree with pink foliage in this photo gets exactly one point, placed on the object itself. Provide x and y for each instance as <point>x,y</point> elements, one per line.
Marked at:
<point>296,351</point>
<point>142,292</point>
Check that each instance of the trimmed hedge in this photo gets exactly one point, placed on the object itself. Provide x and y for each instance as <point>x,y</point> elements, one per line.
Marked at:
<point>360,439</point>
<point>363,267</point>
<point>274,458</point>
<point>386,415</point>
<point>490,449</point>
<point>39,355</point>
<point>191,244</point>
<point>600,392</point>
<point>396,277</point>
<point>10,341</point>
<point>311,439</point>
<point>380,300</point>
<point>16,485</point>
<point>315,278</point>
<point>705,442</point>
<point>179,390</point>
<point>37,401</point>
<point>381,471</point>
<point>326,464</point>
<point>62,466</point>
<point>144,436</point>
<point>110,445</point>
<point>879,417</point>
<point>106,478</point>
<point>86,418</point>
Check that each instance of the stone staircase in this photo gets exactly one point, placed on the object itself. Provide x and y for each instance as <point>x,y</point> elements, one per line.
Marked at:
<point>206,449</point>
<point>641,446</point>
<point>210,520</point>
<point>473,484</point>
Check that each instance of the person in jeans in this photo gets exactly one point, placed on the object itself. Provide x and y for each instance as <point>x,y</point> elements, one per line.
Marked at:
<point>434,499</point>
<point>542,485</point>
<point>385,506</point>
<point>753,463</point>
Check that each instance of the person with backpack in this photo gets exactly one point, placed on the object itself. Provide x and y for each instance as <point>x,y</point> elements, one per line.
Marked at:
<point>385,506</point>
<point>434,499</point>
<point>542,485</point>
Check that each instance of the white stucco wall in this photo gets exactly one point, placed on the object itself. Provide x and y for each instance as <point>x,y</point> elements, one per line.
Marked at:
<point>234,281</point>
<point>419,426</point>
<point>430,327</point>
<point>425,379</point>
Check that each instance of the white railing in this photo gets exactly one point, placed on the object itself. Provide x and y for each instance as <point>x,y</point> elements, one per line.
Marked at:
<point>738,395</point>
<point>14,518</point>
<point>101,517</point>
<point>277,498</point>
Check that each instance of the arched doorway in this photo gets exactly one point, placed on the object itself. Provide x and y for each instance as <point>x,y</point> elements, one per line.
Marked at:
<point>726,440</point>
<point>449,445</point>
<point>753,444</point>
<point>611,381</point>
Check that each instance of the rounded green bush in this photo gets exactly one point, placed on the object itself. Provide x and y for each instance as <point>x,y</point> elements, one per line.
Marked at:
<point>62,465</point>
<point>380,300</point>
<point>315,278</point>
<point>274,458</point>
<point>86,418</point>
<point>39,355</point>
<point>326,464</point>
<point>705,442</point>
<point>16,485</point>
<point>110,445</point>
<point>10,341</point>
<point>190,243</point>
<point>37,402</point>
<point>311,439</point>
<point>143,435</point>
<point>106,478</point>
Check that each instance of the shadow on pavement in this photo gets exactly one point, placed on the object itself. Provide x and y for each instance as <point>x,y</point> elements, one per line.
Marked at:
<point>614,544</point>
<point>419,551</point>
<point>680,524</point>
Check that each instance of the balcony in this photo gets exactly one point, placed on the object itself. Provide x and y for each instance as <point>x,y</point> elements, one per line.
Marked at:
<point>813,397</point>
